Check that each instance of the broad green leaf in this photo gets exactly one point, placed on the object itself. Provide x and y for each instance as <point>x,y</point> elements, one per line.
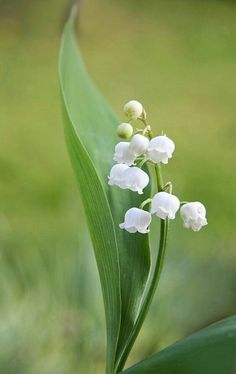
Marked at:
<point>123,259</point>
<point>211,350</point>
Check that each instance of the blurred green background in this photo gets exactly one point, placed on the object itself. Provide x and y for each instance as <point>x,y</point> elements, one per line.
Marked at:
<point>177,57</point>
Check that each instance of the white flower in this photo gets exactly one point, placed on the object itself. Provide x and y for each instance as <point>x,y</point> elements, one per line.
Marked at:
<point>123,155</point>
<point>193,215</point>
<point>165,205</point>
<point>134,179</point>
<point>133,109</point>
<point>138,144</point>
<point>136,220</point>
<point>160,149</point>
<point>116,174</point>
<point>125,130</point>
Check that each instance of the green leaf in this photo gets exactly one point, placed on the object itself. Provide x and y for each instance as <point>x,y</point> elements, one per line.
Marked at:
<point>123,259</point>
<point>211,350</point>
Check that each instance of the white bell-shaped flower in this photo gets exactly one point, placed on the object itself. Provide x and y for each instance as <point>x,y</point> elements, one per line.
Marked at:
<point>193,215</point>
<point>138,144</point>
<point>133,109</point>
<point>160,149</point>
<point>134,179</point>
<point>116,174</point>
<point>165,205</point>
<point>136,220</point>
<point>123,155</point>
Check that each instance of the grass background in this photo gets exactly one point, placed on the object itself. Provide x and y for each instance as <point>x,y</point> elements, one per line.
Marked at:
<point>178,58</point>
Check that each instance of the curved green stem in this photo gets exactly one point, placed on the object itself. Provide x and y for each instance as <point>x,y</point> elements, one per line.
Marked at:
<point>148,201</point>
<point>154,281</point>
<point>168,187</point>
<point>183,202</point>
<point>142,162</point>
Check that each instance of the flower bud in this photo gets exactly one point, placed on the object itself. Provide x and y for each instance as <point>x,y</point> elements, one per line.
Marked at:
<point>193,215</point>
<point>134,179</point>
<point>136,220</point>
<point>133,109</point>
<point>138,145</point>
<point>165,205</point>
<point>160,149</point>
<point>116,174</point>
<point>125,130</point>
<point>123,155</point>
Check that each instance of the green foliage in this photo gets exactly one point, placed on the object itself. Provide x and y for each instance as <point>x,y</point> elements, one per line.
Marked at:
<point>89,128</point>
<point>211,350</point>
<point>189,87</point>
<point>123,260</point>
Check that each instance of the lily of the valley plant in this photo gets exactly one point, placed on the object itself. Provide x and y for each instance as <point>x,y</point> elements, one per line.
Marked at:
<point>120,209</point>
<point>131,156</point>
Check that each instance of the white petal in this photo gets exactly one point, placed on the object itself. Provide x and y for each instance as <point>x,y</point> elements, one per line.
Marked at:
<point>116,174</point>
<point>136,220</point>
<point>193,215</point>
<point>134,179</point>
<point>123,155</point>
<point>160,149</point>
<point>138,144</point>
<point>165,205</point>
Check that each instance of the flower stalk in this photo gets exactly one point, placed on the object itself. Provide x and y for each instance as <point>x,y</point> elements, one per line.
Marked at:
<point>127,174</point>
<point>156,274</point>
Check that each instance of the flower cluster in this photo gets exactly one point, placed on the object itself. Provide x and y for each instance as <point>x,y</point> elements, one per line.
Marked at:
<point>128,174</point>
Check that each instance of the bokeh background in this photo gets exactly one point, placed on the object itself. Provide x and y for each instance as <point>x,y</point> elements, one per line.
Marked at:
<point>177,57</point>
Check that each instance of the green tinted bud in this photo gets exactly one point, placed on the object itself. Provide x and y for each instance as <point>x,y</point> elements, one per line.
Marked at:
<point>125,130</point>
<point>133,109</point>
